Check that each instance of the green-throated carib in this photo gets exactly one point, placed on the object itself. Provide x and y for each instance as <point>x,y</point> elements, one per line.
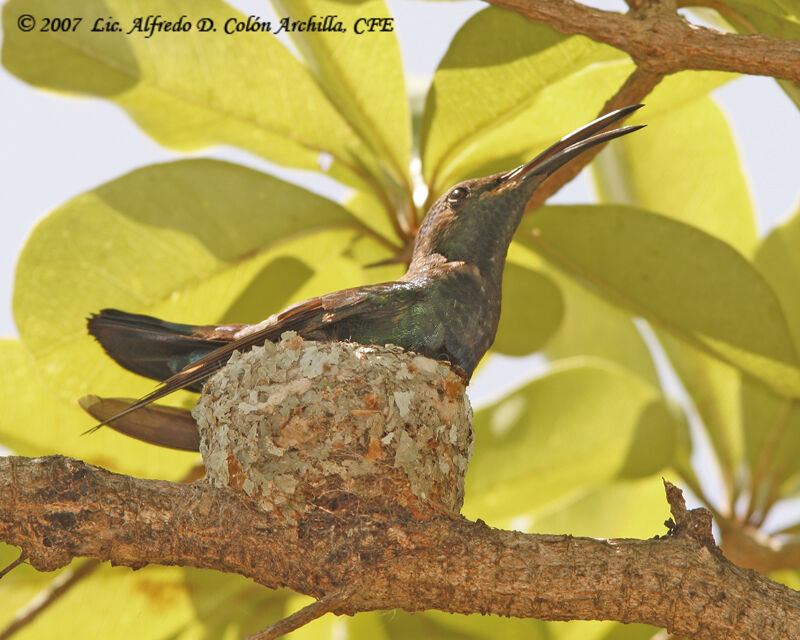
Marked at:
<point>446,306</point>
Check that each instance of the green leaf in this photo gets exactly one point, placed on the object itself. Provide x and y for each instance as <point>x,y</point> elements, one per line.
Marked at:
<point>189,89</point>
<point>690,150</point>
<point>715,389</point>
<point>772,442</point>
<point>437,625</point>
<point>19,586</point>
<point>789,577</point>
<point>369,211</point>
<point>677,91</point>
<point>621,509</point>
<point>594,327</point>
<point>185,241</point>
<point>778,259</point>
<point>707,190</point>
<point>532,311</point>
<point>538,444</point>
<point>34,422</point>
<point>230,606</point>
<point>149,603</point>
<point>690,283</point>
<point>772,422</point>
<point>778,18</point>
<point>507,87</point>
<point>589,326</point>
<point>362,74</point>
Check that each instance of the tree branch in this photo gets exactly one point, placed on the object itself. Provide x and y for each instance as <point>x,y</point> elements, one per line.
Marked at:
<point>661,42</point>
<point>58,508</point>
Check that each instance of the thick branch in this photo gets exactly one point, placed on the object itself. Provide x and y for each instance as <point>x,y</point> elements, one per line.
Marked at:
<point>662,43</point>
<point>58,508</point>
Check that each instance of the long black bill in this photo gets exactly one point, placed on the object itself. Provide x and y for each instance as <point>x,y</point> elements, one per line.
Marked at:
<point>574,144</point>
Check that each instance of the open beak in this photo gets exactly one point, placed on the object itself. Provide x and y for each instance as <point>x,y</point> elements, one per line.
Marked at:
<point>555,156</point>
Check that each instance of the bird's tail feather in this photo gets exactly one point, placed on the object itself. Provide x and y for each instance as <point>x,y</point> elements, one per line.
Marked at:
<point>154,348</point>
<point>156,424</point>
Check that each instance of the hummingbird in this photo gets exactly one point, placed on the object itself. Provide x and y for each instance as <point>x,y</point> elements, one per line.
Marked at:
<point>446,306</point>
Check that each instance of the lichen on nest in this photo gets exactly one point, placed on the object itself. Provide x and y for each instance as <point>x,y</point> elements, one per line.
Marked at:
<point>292,422</point>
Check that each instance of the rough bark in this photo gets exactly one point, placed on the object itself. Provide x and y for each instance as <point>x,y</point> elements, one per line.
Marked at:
<point>661,42</point>
<point>57,508</point>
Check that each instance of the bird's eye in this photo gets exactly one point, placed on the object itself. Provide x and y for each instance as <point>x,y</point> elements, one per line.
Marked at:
<point>459,193</point>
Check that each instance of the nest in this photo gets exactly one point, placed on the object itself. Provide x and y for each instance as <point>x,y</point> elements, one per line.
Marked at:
<point>299,424</point>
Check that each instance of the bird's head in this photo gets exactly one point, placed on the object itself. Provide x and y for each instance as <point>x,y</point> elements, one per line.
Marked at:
<point>475,220</point>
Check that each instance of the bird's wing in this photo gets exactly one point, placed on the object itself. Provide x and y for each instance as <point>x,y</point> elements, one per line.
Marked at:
<point>304,317</point>
<point>152,347</point>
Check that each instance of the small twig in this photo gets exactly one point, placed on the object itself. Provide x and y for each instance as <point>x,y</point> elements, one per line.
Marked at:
<point>315,610</point>
<point>57,588</point>
<point>13,565</point>
<point>695,523</point>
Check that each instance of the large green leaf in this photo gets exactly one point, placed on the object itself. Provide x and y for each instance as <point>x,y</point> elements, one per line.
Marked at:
<point>34,422</point>
<point>542,84</point>
<point>715,389</point>
<point>184,241</point>
<point>772,443</point>
<point>684,165</point>
<point>588,325</point>
<point>155,602</point>
<point>369,210</point>
<point>585,423</point>
<point>507,86</point>
<point>772,422</point>
<point>620,509</point>
<point>188,89</point>
<point>532,308</point>
<point>690,148</point>
<point>685,280</point>
<point>112,602</point>
<point>229,606</point>
<point>778,259</point>
<point>592,326</point>
<point>362,74</point>
<point>19,586</point>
